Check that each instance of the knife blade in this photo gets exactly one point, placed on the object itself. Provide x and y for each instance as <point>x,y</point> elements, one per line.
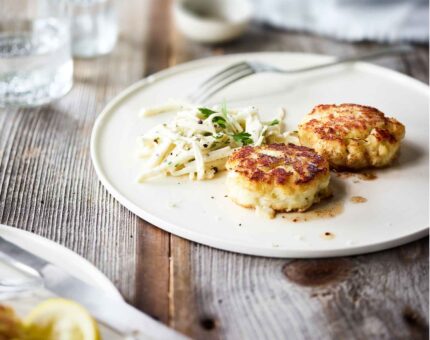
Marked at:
<point>118,315</point>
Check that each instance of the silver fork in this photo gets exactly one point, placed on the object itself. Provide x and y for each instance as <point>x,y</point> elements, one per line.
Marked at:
<point>244,69</point>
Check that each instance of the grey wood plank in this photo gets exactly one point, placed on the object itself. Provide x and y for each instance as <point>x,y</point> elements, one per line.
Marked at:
<point>47,181</point>
<point>153,244</point>
<point>376,296</point>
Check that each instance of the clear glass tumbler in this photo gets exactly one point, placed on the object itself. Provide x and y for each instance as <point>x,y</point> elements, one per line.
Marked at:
<point>35,58</point>
<point>94,27</point>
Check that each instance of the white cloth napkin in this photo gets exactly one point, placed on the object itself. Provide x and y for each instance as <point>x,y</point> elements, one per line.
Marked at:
<point>353,20</point>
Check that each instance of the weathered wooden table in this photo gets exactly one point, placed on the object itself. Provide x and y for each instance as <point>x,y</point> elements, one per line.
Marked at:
<point>48,186</point>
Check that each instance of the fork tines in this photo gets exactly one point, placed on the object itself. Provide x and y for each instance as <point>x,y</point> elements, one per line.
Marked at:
<point>221,80</point>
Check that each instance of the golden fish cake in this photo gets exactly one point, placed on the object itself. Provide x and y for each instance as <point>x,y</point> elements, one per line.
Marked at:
<point>351,136</point>
<point>277,177</point>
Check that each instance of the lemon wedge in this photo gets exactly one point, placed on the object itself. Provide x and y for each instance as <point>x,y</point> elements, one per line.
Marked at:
<point>61,319</point>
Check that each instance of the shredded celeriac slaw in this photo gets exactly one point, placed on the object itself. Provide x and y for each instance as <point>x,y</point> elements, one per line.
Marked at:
<point>198,140</point>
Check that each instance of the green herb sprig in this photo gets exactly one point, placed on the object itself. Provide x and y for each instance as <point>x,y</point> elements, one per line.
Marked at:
<point>220,121</point>
<point>206,112</point>
<point>243,137</point>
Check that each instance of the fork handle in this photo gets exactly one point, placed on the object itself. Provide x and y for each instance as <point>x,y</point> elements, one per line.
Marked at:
<point>372,55</point>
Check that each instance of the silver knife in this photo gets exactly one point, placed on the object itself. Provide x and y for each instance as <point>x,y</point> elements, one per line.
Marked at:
<point>118,315</point>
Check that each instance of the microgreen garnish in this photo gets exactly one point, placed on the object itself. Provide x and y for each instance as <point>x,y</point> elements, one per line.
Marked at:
<point>224,109</point>
<point>220,121</point>
<point>243,137</point>
<point>206,112</point>
<point>274,122</point>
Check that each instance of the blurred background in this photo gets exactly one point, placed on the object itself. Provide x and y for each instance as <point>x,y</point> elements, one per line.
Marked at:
<point>38,38</point>
<point>388,21</point>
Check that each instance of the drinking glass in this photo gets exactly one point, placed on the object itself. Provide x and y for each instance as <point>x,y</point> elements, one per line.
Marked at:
<point>94,26</point>
<point>35,59</point>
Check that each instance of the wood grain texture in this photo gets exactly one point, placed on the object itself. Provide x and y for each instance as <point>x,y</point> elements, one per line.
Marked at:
<point>357,297</point>
<point>47,181</point>
<point>153,244</point>
<point>48,186</point>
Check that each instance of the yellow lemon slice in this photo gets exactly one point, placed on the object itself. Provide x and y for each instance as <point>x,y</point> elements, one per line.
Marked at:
<point>61,319</point>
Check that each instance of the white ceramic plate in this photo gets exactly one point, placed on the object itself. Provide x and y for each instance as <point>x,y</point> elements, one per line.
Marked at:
<point>62,257</point>
<point>397,208</point>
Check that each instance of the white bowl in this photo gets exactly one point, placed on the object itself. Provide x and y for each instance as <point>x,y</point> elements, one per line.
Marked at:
<point>209,21</point>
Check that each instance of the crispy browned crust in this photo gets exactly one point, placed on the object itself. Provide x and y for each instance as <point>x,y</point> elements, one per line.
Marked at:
<point>338,127</point>
<point>292,163</point>
<point>10,325</point>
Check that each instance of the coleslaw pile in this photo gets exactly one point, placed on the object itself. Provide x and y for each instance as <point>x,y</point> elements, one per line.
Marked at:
<point>198,140</point>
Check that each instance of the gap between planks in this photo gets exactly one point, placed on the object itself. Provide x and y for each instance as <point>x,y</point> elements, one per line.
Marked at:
<point>163,271</point>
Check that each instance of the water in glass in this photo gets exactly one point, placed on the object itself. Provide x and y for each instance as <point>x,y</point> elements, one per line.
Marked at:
<point>35,61</point>
<point>94,27</point>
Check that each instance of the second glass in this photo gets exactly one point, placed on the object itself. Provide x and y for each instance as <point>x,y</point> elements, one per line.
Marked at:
<point>94,27</point>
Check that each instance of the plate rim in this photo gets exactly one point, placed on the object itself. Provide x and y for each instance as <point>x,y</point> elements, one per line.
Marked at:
<point>101,278</point>
<point>237,247</point>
